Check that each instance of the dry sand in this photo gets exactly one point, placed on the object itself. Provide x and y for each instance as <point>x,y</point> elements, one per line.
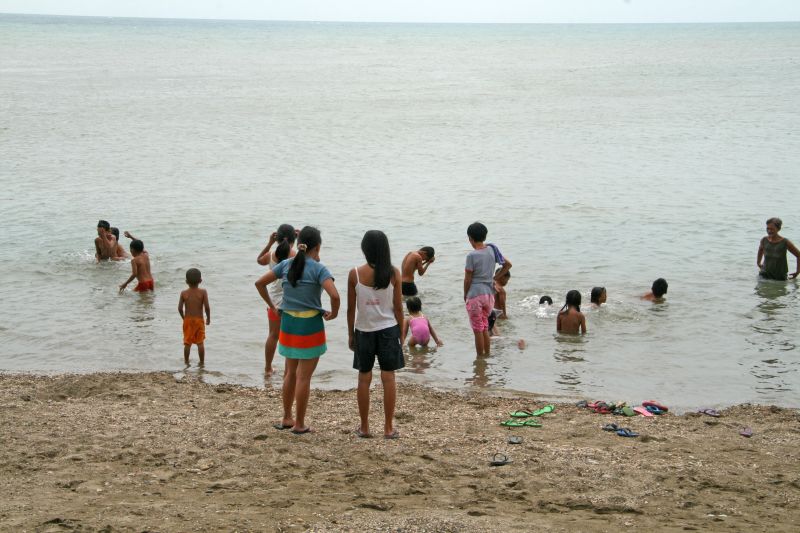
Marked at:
<point>144,452</point>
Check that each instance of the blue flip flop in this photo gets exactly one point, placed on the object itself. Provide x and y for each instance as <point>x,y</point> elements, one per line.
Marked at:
<point>655,410</point>
<point>625,432</point>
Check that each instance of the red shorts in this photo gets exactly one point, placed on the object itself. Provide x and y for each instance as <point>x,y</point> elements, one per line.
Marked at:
<point>147,285</point>
<point>273,316</point>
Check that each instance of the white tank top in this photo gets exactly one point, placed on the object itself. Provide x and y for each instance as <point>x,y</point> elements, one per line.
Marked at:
<point>375,308</point>
<point>275,289</point>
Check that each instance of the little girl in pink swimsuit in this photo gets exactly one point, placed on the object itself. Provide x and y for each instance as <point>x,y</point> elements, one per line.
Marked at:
<point>419,326</point>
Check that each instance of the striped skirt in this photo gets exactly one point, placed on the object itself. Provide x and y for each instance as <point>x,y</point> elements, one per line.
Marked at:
<point>302,335</point>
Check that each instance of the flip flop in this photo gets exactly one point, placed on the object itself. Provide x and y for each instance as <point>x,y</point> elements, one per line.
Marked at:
<point>544,410</point>
<point>602,410</point>
<point>655,410</point>
<point>642,411</point>
<point>393,435</point>
<point>532,424</point>
<point>514,439</point>
<point>302,431</point>
<point>281,426</point>
<point>512,424</point>
<point>627,411</point>
<point>499,459</point>
<point>521,414</point>
<point>610,427</point>
<point>625,432</point>
<point>596,404</point>
<point>746,432</point>
<point>656,405</point>
<point>582,403</point>
<point>362,435</point>
<point>710,412</point>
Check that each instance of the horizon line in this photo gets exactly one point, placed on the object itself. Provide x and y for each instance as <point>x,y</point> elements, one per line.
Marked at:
<point>203,19</point>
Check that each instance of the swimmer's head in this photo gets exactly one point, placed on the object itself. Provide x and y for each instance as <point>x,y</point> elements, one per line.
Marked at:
<point>428,251</point>
<point>573,300</point>
<point>103,225</point>
<point>545,300</point>
<point>503,280</point>
<point>598,295</point>
<point>414,304</point>
<point>285,238</point>
<point>137,247</point>
<point>776,222</point>
<point>477,232</point>
<point>115,232</point>
<point>193,277</point>
<point>659,287</point>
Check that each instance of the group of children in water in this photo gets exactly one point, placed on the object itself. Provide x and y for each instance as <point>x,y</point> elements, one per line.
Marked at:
<point>377,328</point>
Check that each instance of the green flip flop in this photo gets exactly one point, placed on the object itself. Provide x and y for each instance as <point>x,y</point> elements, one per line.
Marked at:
<point>532,424</point>
<point>521,414</point>
<point>512,424</point>
<point>544,410</point>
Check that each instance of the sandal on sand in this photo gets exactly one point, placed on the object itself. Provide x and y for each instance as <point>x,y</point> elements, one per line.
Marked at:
<point>642,411</point>
<point>710,412</point>
<point>499,459</point>
<point>514,439</point>
<point>393,435</point>
<point>532,424</point>
<point>746,432</point>
<point>512,424</point>
<point>610,427</point>
<point>655,410</point>
<point>544,410</point>
<point>651,403</point>
<point>362,435</point>
<point>302,431</point>
<point>281,426</point>
<point>625,432</point>
<point>521,414</point>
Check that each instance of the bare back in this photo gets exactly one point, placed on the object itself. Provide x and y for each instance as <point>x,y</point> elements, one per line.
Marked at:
<point>411,263</point>
<point>571,321</point>
<point>194,301</point>
<point>142,263</point>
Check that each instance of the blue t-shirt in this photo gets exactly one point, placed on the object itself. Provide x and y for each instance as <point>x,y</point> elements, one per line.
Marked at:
<point>306,295</point>
<point>481,263</point>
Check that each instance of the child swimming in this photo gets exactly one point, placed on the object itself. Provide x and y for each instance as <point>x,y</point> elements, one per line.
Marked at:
<point>598,296</point>
<point>570,319</point>
<point>657,291</point>
<point>418,325</point>
<point>140,267</point>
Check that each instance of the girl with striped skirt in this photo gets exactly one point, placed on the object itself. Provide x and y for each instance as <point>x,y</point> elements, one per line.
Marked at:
<point>302,331</point>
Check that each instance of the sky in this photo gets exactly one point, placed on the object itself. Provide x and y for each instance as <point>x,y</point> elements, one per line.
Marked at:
<point>513,11</point>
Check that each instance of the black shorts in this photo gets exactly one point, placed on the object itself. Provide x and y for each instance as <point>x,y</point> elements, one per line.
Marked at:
<point>409,288</point>
<point>384,343</point>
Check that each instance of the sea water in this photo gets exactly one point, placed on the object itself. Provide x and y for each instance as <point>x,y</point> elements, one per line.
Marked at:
<point>603,155</point>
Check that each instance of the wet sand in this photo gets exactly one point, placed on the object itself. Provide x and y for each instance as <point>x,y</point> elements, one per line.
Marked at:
<point>145,452</point>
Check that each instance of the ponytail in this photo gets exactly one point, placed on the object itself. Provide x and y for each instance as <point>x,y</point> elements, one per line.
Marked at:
<point>285,237</point>
<point>308,239</point>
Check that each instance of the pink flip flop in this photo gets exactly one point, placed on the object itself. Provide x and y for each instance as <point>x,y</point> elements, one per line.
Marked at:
<point>642,411</point>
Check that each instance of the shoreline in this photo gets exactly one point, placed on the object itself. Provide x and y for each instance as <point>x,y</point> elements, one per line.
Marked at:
<point>132,452</point>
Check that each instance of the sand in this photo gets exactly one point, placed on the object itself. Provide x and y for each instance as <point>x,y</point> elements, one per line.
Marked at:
<point>147,452</point>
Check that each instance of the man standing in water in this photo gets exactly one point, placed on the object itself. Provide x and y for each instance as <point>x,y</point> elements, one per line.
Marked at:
<point>104,247</point>
<point>418,262</point>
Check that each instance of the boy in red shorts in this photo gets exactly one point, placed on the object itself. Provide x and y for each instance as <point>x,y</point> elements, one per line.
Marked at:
<point>140,267</point>
<point>190,306</point>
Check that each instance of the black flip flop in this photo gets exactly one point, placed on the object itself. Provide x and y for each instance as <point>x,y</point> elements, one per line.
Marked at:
<point>514,439</point>
<point>499,459</point>
<point>281,426</point>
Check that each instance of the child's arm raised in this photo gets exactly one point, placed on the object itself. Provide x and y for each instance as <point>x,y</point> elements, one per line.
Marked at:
<point>330,288</point>
<point>207,307</point>
<point>261,287</point>
<point>130,236</point>
<point>433,334</point>
<point>351,309</point>
<point>263,256</point>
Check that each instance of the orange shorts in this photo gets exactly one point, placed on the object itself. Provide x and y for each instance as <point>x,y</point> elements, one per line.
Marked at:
<point>194,330</point>
<point>146,285</point>
<point>273,315</point>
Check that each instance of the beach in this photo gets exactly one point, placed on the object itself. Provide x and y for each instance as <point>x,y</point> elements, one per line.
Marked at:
<point>156,452</point>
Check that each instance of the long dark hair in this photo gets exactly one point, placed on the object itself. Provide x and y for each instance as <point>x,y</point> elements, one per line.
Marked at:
<point>285,239</point>
<point>375,246</point>
<point>308,239</point>
<point>573,300</point>
<point>597,292</point>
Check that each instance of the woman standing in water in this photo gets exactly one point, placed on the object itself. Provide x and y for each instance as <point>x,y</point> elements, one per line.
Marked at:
<point>771,259</point>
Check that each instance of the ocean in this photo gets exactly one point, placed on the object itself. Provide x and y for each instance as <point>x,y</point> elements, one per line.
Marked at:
<point>597,155</point>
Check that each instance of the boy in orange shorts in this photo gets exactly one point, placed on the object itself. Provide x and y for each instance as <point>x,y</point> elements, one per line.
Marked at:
<point>190,306</point>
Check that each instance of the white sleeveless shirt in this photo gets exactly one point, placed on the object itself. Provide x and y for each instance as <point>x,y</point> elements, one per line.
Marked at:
<point>374,308</point>
<point>275,289</point>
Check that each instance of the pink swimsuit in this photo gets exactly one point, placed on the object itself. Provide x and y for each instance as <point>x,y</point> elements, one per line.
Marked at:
<point>420,329</point>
